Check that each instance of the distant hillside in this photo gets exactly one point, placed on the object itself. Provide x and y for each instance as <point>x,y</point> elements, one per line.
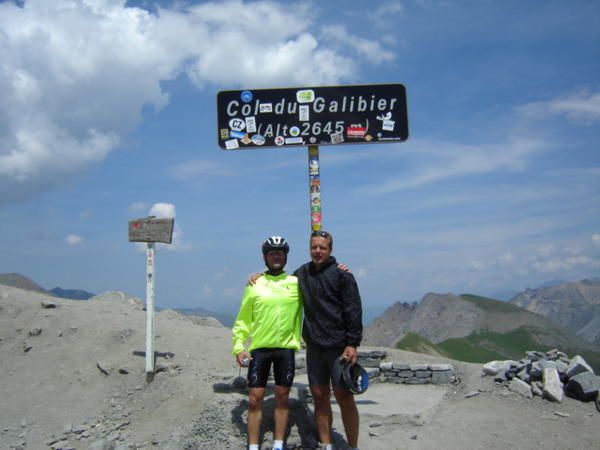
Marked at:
<point>72,294</point>
<point>573,305</point>
<point>20,281</point>
<point>226,319</point>
<point>472,328</point>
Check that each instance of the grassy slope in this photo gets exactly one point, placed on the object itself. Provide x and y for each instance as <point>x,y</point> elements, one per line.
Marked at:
<point>485,345</point>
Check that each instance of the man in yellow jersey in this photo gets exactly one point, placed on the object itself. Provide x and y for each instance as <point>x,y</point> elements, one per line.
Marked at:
<point>271,315</point>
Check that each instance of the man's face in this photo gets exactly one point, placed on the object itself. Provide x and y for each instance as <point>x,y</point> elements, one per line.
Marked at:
<point>319,249</point>
<point>275,259</point>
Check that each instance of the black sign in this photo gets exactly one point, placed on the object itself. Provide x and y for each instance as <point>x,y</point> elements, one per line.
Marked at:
<point>312,116</point>
<point>151,230</point>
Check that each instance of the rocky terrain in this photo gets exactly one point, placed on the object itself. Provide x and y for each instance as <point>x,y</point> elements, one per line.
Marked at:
<point>574,306</point>
<point>72,377</point>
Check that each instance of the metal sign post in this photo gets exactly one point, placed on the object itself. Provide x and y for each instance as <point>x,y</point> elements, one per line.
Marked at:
<point>314,181</point>
<point>150,308</point>
<point>150,230</point>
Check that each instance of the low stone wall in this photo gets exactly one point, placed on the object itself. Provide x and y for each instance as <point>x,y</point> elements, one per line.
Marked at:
<point>399,373</point>
<point>381,371</point>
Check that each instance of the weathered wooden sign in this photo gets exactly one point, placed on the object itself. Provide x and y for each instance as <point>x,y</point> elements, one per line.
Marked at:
<point>151,229</point>
<point>325,115</point>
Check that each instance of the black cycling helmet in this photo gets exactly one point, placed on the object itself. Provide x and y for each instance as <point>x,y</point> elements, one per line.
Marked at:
<point>350,376</point>
<point>275,243</point>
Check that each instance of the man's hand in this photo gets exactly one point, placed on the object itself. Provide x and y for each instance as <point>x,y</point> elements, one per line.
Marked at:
<point>252,278</point>
<point>243,358</point>
<point>350,354</point>
<point>344,267</point>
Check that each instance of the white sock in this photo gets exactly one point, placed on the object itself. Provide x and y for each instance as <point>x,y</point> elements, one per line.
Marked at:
<point>253,447</point>
<point>277,445</point>
<point>326,446</point>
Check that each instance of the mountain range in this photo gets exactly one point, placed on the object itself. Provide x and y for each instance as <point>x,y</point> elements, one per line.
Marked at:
<point>477,329</point>
<point>573,305</point>
<point>22,282</point>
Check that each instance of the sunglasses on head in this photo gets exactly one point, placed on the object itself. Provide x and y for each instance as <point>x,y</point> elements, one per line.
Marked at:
<point>323,234</point>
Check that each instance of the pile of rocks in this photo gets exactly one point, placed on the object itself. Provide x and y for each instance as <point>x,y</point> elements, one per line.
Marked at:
<point>549,375</point>
<point>399,373</point>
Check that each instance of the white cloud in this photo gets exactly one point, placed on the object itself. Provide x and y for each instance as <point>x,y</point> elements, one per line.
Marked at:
<point>580,107</point>
<point>73,239</point>
<point>596,238</point>
<point>163,210</point>
<point>75,75</point>
<point>443,160</point>
<point>368,49</point>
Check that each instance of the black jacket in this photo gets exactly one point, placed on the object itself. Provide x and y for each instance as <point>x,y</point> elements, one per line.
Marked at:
<point>332,306</point>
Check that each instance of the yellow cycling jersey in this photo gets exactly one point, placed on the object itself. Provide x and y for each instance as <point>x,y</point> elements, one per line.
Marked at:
<point>271,314</point>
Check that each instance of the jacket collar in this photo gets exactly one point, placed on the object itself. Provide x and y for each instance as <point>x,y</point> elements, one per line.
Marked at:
<point>325,265</point>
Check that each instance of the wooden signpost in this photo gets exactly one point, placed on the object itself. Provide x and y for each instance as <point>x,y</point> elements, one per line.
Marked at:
<point>150,230</point>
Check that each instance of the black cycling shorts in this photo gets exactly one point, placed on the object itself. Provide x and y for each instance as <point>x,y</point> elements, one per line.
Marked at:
<point>284,366</point>
<point>319,364</point>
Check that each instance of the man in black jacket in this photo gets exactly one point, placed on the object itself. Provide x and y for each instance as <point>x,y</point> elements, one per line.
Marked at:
<point>332,328</point>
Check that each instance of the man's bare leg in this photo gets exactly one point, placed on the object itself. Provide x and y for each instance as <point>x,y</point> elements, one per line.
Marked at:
<point>255,399</point>
<point>323,415</point>
<point>350,416</point>
<point>282,394</point>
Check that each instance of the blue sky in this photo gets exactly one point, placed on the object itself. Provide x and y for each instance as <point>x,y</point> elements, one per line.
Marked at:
<point>108,112</point>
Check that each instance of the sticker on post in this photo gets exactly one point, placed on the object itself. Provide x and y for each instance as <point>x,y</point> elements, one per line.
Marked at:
<point>388,125</point>
<point>237,124</point>
<point>337,138</point>
<point>265,107</point>
<point>356,131</point>
<point>237,134</point>
<point>305,96</point>
<point>294,140</point>
<point>294,131</point>
<point>251,124</point>
<point>279,141</point>
<point>232,144</point>
<point>304,113</point>
<point>246,96</point>
<point>224,132</point>
<point>246,140</point>
<point>258,139</point>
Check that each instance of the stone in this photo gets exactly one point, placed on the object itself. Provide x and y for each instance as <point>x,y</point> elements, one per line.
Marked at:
<point>578,365</point>
<point>472,394</point>
<point>35,331</point>
<point>444,377</point>
<point>373,372</point>
<point>583,386</point>
<point>369,362</point>
<point>495,367</point>
<point>553,388</point>
<point>400,366</point>
<point>124,370</point>
<point>405,373</point>
<point>103,367</point>
<point>537,388</point>
<point>415,367</point>
<point>386,366</point>
<point>562,414</point>
<point>422,373</point>
<point>101,444</point>
<point>520,387</point>
<point>440,367</point>
<point>48,304</point>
